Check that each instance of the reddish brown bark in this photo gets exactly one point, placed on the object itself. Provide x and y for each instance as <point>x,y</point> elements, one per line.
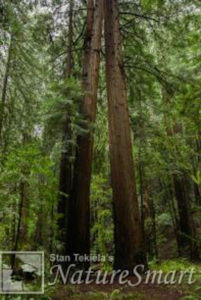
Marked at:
<point>129,248</point>
<point>79,234</point>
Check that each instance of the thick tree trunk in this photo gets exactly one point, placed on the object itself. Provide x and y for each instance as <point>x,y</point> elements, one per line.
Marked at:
<point>129,248</point>
<point>80,225</point>
<point>65,176</point>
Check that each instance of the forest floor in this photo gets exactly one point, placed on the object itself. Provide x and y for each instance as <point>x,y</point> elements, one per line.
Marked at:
<point>116,292</point>
<point>125,292</point>
<point>143,291</point>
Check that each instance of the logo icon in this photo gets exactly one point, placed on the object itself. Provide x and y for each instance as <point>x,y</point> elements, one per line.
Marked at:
<point>21,272</point>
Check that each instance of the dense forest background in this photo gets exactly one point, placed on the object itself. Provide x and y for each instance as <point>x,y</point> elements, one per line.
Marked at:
<point>82,92</point>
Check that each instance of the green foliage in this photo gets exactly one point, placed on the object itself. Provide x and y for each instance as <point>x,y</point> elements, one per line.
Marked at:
<point>28,165</point>
<point>101,216</point>
<point>168,265</point>
<point>197,178</point>
<point>161,48</point>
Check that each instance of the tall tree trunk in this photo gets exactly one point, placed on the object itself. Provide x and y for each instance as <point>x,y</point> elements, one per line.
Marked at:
<point>65,177</point>
<point>4,90</point>
<point>129,247</point>
<point>79,236</point>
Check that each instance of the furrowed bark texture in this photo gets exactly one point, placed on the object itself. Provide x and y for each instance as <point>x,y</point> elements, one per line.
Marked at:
<point>80,227</point>
<point>129,248</point>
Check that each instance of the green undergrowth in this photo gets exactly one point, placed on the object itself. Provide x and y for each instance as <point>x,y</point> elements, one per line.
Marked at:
<point>73,292</point>
<point>192,291</point>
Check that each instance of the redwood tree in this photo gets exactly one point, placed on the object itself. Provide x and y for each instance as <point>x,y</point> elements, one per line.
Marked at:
<point>129,248</point>
<point>79,228</point>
